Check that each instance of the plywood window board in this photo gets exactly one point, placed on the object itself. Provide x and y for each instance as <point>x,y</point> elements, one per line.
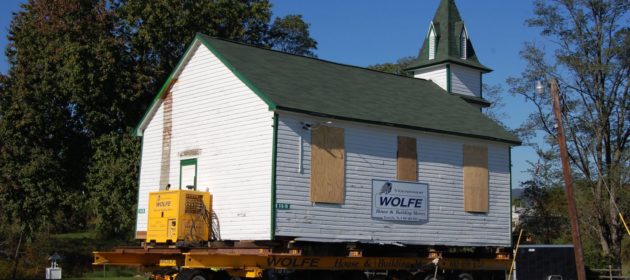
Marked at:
<point>327,164</point>
<point>407,159</point>
<point>476,179</point>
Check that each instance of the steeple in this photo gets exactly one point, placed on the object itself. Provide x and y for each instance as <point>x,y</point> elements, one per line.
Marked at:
<point>447,56</point>
<point>451,44</point>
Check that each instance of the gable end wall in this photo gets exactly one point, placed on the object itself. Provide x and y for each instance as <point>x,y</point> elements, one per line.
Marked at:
<point>216,113</point>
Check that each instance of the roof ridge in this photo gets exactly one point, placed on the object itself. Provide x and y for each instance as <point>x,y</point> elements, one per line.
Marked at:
<point>309,57</point>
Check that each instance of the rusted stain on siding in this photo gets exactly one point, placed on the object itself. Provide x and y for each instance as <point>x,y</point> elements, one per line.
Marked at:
<point>165,165</point>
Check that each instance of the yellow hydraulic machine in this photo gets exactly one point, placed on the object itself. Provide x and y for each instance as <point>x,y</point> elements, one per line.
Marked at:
<point>179,216</point>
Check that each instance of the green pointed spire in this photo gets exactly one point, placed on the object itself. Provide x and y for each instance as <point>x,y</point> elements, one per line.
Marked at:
<point>448,26</point>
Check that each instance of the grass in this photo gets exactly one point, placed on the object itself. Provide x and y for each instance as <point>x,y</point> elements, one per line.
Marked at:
<point>76,249</point>
<point>114,273</point>
<point>74,235</point>
<point>106,278</point>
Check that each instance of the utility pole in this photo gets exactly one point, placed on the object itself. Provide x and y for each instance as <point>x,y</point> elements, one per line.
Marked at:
<point>566,172</point>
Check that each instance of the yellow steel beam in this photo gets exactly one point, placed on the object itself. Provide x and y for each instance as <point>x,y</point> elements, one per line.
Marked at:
<point>287,261</point>
<point>137,258</point>
<point>335,263</point>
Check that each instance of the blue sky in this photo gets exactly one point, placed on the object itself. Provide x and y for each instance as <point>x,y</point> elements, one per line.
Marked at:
<point>364,32</point>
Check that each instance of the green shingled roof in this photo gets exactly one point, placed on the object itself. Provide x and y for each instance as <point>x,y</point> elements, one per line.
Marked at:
<point>307,85</point>
<point>448,26</point>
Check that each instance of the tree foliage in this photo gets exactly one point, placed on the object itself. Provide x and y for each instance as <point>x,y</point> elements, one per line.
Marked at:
<point>397,67</point>
<point>81,74</point>
<point>495,111</point>
<point>290,34</point>
<point>112,183</point>
<point>591,62</point>
<point>545,216</point>
<point>44,125</point>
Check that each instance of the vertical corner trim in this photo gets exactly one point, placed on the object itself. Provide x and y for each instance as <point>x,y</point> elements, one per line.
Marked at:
<point>448,78</point>
<point>274,152</point>
<point>135,227</point>
<point>510,210</point>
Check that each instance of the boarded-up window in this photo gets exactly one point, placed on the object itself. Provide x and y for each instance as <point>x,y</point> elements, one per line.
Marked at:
<point>327,164</point>
<point>407,159</point>
<point>475,179</point>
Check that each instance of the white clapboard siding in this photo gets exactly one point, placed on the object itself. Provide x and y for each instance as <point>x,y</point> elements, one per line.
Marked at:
<point>371,154</point>
<point>216,113</point>
<point>149,167</point>
<point>465,80</point>
<point>437,74</point>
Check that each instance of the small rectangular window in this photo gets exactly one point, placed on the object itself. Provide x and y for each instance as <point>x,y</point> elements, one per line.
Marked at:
<point>327,164</point>
<point>476,179</point>
<point>407,159</point>
<point>188,174</point>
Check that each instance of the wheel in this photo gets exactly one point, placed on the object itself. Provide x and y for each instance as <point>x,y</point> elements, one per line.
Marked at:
<point>192,274</point>
<point>465,276</point>
<point>350,275</point>
<point>163,273</point>
<point>221,275</point>
<point>311,275</point>
<point>401,275</point>
<point>430,277</point>
<point>419,276</point>
<point>271,274</point>
<point>295,275</point>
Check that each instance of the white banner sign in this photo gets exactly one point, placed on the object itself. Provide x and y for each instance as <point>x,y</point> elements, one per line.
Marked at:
<point>399,201</point>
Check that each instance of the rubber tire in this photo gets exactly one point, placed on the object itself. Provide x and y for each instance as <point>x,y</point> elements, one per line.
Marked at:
<point>465,276</point>
<point>162,272</point>
<point>419,276</point>
<point>350,275</point>
<point>312,275</point>
<point>192,274</point>
<point>221,275</point>
<point>271,274</point>
<point>401,275</point>
<point>430,277</point>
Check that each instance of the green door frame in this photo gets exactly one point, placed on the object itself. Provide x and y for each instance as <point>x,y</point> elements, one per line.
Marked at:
<point>186,162</point>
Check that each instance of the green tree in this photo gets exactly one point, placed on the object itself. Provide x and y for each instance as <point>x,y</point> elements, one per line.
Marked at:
<point>495,111</point>
<point>43,128</point>
<point>112,183</point>
<point>545,215</point>
<point>290,34</point>
<point>397,67</point>
<point>591,62</point>
<point>81,74</point>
